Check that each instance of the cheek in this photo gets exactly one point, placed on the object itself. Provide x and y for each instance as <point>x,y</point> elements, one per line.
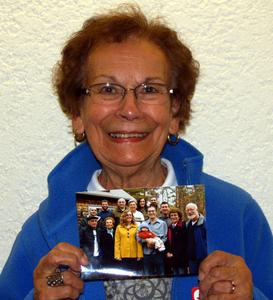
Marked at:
<point>93,114</point>
<point>160,114</point>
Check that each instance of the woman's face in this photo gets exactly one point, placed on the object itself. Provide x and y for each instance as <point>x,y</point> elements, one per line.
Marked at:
<point>132,207</point>
<point>128,133</point>
<point>142,203</point>
<point>174,217</point>
<point>129,217</point>
<point>109,224</point>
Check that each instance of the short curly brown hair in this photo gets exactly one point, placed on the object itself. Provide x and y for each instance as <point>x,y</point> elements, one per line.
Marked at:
<point>175,211</point>
<point>109,218</point>
<point>116,26</point>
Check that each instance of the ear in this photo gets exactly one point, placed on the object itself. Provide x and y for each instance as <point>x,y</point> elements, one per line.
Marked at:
<point>175,118</point>
<point>77,124</point>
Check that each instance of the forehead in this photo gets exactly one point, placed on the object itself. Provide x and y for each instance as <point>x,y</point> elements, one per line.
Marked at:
<point>132,59</point>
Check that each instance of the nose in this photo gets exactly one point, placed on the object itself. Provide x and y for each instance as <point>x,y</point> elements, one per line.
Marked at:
<point>129,106</point>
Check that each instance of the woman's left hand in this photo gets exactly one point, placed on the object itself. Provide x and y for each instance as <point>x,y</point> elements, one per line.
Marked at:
<point>222,273</point>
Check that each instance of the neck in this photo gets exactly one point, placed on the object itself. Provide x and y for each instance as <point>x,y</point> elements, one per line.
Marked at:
<point>147,175</point>
<point>195,219</point>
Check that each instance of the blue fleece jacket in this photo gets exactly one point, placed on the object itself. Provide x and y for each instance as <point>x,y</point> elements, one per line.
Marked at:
<point>235,224</point>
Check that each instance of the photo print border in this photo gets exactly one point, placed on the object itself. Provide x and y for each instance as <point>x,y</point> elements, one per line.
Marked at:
<point>104,266</point>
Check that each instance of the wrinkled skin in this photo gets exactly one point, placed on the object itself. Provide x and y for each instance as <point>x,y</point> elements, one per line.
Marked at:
<point>217,272</point>
<point>62,254</point>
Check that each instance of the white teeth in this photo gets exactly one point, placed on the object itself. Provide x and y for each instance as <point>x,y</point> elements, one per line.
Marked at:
<point>127,135</point>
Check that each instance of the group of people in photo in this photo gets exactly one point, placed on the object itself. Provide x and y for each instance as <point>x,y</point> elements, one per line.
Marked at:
<point>137,239</point>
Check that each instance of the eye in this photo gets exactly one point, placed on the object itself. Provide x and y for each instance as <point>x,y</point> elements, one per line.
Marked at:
<point>109,90</point>
<point>149,89</point>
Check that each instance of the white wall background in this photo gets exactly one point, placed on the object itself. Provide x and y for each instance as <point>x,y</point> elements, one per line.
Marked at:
<point>233,120</point>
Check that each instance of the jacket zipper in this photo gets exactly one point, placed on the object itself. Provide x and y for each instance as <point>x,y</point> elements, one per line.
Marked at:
<point>186,174</point>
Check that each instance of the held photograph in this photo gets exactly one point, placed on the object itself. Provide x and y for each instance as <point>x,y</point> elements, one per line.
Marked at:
<point>143,232</point>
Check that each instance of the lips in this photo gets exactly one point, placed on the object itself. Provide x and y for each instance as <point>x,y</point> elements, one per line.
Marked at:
<point>127,135</point>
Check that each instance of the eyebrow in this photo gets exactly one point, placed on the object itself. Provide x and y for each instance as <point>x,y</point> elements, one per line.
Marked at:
<point>114,79</point>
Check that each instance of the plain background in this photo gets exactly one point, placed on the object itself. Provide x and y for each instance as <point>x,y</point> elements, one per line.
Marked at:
<point>232,124</point>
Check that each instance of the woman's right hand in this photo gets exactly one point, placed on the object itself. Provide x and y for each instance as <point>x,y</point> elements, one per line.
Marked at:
<point>66,255</point>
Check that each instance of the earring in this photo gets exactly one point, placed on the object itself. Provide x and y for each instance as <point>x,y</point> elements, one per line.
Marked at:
<point>171,142</point>
<point>79,137</point>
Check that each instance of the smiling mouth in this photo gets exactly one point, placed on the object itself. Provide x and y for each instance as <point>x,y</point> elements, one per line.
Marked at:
<point>128,135</point>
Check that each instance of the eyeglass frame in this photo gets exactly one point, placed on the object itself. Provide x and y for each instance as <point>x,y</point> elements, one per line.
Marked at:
<point>88,91</point>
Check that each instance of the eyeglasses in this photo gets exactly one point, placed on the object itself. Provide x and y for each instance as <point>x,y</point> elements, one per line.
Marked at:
<point>112,93</point>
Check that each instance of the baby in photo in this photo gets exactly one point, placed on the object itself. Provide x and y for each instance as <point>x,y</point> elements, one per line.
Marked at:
<point>145,233</point>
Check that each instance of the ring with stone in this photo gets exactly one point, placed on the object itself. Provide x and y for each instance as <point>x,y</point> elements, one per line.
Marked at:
<point>55,279</point>
<point>232,286</point>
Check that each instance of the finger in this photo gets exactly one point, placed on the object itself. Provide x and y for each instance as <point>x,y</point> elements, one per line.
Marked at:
<point>216,275</point>
<point>71,288</point>
<point>221,280</point>
<point>73,250</point>
<point>69,256</point>
<point>73,280</point>
<point>216,259</point>
<point>54,293</point>
<point>51,262</point>
<point>221,287</point>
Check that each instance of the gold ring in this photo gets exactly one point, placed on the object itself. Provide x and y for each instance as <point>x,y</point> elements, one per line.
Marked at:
<point>232,287</point>
<point>56,279</point>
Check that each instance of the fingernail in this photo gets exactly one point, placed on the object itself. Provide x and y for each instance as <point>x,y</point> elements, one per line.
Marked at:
<point>84,260</point>
<point>201,276</point>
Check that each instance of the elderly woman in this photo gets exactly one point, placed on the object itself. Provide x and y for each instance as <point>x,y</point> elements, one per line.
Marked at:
<point>107,243</point>
<point>127,249</point>
<point>126,84</point>
<point>137,214</point>
<point>176,243</point>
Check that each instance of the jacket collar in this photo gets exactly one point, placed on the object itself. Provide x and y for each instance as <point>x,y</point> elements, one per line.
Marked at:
<point>73,174</point>
<point>199,222</point>
<point>178,224</point>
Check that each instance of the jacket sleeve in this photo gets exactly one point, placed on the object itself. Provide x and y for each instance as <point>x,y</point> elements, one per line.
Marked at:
<point>117,243</point>
<point>16,280</point>
<point>164,237</point>
<point>167,243</point>
<point>259,251</point>
<point>139,250</point>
